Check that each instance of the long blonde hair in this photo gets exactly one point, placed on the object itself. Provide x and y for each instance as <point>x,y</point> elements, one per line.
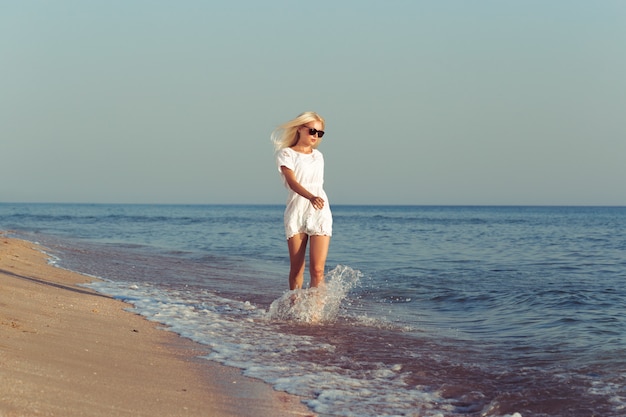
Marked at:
<point>287,134</point>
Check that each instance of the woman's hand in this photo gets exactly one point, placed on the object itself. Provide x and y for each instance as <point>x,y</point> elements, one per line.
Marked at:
<point>318,202</point>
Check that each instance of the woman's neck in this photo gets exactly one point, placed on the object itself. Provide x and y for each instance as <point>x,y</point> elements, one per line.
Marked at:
<point>302,149</point>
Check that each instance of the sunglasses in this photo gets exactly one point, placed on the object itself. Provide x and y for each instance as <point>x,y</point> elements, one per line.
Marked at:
<point>313,132</point>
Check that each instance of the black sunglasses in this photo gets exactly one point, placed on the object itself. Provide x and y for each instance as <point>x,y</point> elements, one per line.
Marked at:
<point>313,132</point>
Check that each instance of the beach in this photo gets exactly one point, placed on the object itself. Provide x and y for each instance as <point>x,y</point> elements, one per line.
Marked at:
<point>428,312</point>
<point>66,350</point>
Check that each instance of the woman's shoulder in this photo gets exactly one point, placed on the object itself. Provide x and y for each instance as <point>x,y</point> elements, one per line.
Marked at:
<point>284,152</point>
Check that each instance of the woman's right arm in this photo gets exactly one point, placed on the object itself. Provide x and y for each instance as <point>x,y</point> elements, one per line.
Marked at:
<point>290,177</point>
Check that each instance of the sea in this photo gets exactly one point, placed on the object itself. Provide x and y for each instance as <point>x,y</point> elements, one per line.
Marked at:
<point>427,310</point>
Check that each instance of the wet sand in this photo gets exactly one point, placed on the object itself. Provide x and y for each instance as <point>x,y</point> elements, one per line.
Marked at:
<point>68,351</point>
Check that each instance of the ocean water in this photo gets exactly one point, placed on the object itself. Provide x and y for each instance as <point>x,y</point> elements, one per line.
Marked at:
<point>428,311</point>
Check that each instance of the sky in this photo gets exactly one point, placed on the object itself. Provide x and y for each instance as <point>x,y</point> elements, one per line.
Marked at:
<point>436,102</point>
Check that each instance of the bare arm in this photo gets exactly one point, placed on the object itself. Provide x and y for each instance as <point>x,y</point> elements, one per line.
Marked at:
<point>290,177</point>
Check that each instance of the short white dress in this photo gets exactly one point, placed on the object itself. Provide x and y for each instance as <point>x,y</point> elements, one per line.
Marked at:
<point>300,215</point>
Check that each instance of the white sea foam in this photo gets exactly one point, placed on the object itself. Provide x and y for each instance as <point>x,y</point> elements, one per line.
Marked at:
<point>241,335</point>
<point>316,305</point>
<point>613,390</point>
<point>50,258</point>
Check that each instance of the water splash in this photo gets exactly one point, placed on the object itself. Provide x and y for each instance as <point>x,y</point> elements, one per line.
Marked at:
<point>316,305</point>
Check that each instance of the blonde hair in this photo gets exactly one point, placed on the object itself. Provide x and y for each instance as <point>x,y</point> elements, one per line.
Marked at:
<point>287,134</point>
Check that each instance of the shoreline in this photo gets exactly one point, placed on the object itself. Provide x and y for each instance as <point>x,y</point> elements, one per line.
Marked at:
<point>68,350</point>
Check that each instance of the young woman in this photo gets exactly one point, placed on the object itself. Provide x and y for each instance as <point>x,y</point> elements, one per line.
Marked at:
<point>308,219</point>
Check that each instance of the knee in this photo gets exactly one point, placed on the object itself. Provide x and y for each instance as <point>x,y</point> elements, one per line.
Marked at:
<point>317,271</point>
<point>296,270</point>
<point>317,277</point>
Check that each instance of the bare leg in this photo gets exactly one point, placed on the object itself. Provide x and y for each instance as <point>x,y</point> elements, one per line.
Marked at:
<point>297,254</point>
<point>318,254</point>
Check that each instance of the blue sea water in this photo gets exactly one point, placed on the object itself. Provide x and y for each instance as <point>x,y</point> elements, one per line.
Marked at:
<point>428,311</point>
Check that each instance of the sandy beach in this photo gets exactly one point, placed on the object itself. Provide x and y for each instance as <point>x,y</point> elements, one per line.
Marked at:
<point>68,351</point>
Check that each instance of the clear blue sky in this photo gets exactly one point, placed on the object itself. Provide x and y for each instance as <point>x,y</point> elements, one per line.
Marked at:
<point>427,102</point>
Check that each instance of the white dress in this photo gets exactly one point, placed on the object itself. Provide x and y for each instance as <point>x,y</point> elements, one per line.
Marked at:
<point>300,215</point>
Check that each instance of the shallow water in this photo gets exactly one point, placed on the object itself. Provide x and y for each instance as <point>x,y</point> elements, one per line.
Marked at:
<point>484,311</point>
